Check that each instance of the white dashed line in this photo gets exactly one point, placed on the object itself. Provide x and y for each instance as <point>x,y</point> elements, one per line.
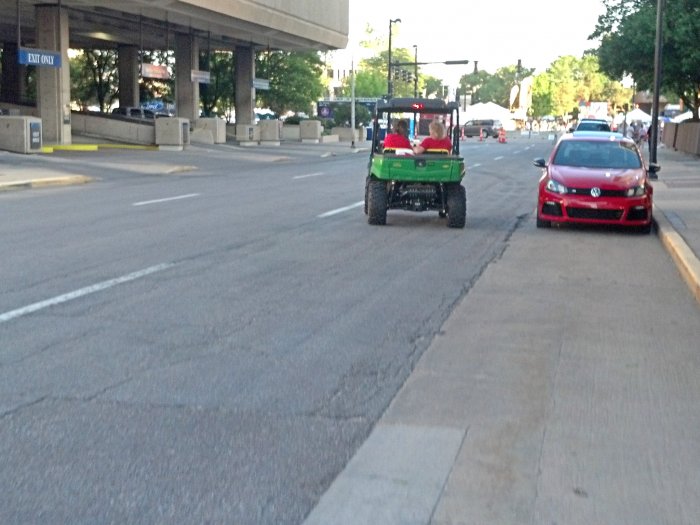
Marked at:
<point>81,292</point>
<point>340,210</point>
<point>309,175</point>
<point>156,201</point>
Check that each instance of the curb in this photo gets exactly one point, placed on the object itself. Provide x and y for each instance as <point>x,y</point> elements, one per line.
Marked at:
<point>686,261</point>
<point>47,181</point>
<point>96,147</point>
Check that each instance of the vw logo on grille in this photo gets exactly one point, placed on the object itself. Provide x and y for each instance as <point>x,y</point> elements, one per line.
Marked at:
<point>595,192</point>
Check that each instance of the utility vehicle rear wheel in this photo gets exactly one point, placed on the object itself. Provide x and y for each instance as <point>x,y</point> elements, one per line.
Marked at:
<point>376,202</point>
<point>456,206</point>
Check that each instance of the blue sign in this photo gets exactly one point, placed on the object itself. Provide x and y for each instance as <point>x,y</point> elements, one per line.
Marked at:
<point>39,57</point>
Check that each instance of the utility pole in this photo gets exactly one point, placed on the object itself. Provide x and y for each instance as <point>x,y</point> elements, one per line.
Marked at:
<point>660,6</point>
<point>390,87</point>
<point>415,71</point>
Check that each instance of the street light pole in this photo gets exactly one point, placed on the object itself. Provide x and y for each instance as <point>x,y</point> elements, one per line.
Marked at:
<point>388,76</point>
<point>415,71</point>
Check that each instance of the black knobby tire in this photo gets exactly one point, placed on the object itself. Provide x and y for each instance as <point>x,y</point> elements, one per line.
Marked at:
<point>376,202</point>
<point>366,190</point>
<point>456,206</point>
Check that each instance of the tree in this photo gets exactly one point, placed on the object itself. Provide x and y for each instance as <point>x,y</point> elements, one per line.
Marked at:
<point>472,83</point>
<point>218,96</point>
<point>342,114</point>
<point>295,80</point>
<point>94,78</point>
<point>368,83</point>
<point>542,96</point>
<point>627,31</point>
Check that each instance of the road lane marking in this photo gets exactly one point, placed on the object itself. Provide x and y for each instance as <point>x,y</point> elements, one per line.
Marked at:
<point>340,210</point>
<point>498,158</point>
<point>309,175</point>
<point>25,310</point>
<point>156,201</point>
<point>475,165</point>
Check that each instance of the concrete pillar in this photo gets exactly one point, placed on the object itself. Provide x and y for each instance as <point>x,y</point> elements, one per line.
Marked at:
<point>53,85</point>
<point>245,93</point>
<point>13,75</point>
<point>186,91</point>
<point>128,75</point>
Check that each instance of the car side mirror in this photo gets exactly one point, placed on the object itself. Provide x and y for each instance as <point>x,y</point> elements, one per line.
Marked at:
<point>540,163</point>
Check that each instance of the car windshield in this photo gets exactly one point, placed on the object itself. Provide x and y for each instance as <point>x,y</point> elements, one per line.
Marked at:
<point>597,154</point>
<point>593,126</point>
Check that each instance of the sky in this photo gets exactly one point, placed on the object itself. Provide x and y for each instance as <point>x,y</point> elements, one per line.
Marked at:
<point>496,33</point>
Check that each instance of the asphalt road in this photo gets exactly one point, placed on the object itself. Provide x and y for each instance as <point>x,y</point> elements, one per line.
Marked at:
<point>210,338</point>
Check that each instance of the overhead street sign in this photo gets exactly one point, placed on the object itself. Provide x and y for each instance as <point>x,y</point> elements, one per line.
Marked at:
<point>39,57</point>
<point>261,83</point>
<point>203,77</point>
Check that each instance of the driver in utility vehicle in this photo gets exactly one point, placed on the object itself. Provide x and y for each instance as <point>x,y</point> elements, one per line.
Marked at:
<point>399,138</point>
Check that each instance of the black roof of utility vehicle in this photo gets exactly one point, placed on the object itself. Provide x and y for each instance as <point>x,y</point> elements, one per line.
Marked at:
<point>413,105</point>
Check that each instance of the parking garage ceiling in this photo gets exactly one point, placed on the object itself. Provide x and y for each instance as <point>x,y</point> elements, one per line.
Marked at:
<point>153,24</point>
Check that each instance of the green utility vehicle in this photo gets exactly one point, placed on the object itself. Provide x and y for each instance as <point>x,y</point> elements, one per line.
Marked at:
<point>400,180</point>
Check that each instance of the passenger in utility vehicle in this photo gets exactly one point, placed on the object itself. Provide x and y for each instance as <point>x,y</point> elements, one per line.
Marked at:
<point>437,140</point>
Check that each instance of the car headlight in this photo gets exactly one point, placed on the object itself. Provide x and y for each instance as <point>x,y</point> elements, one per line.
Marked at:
<point>556,187</point>
<point>636,191</point>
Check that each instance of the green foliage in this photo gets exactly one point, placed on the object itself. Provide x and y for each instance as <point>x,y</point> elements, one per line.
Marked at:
<point>431,86</point>
<point>627,32</point>
<point>368,83</point>
<point>218,96</point>
<point>295,80</point>
<point>342,114</point>
<point>294,119</point>
<point>94,79</point>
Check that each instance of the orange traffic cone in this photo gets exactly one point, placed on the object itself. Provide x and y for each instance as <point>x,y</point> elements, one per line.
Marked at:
<point>502,136</point>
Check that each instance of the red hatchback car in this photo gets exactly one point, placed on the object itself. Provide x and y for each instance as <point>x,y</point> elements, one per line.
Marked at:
<point>595,178</point>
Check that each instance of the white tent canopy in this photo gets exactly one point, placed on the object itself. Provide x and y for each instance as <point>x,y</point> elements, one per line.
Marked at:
<point>638,114</point>
<point>486,110</point>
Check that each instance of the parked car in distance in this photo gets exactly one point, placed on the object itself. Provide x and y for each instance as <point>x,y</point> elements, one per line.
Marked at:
<point>490,128</point>
<point>140,113</point>
<point>590,124</point>
<point>595,178</point>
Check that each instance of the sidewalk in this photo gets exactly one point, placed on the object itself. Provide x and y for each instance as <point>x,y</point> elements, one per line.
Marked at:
<point>677,212</point>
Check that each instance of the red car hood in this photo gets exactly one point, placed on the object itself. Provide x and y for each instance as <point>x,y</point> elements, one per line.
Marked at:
<point>575,177</point>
